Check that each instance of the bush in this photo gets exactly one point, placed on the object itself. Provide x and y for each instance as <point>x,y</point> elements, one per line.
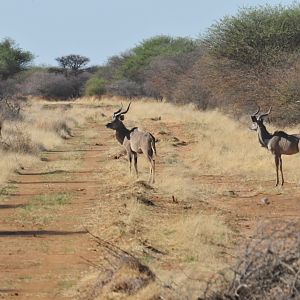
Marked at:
<point>141,56</point>
<point>190,88</point>
<point>12,59</point>
<point>95,87</point>
<point>256,35</point>
<point>48,85</point>
<point>18,140</point>
<point>268,268</point>
<point>125,87</point>
<point>163,73</point>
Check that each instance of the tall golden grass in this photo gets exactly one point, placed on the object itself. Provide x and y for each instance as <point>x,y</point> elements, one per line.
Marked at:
<point>43,126</point>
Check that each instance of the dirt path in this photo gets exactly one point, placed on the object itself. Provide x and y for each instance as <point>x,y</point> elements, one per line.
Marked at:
<point>43,252</point>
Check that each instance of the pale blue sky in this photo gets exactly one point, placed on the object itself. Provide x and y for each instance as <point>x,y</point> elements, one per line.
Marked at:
<point>102,28</point>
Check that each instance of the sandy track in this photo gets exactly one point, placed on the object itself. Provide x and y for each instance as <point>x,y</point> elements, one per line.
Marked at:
<point>42,261</point>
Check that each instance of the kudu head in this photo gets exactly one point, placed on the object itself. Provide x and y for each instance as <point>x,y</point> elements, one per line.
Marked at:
<point>117,118</point>
<point>258,120</point>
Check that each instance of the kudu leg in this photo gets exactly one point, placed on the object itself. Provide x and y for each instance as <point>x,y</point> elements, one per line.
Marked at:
<point>151,170</point>
<point>276,164</point>
<point>130,161</point>
<point>135,164</point>
<point>280,165</point>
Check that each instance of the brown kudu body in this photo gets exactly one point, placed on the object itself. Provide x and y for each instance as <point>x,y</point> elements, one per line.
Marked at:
<point>134,140</point>
<point>279,143</point>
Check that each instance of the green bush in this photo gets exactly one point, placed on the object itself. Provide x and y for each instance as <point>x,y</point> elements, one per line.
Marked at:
<point>142,55</point>
<point>95,87</point>
<point>12,58</point>
<point>256,35</point>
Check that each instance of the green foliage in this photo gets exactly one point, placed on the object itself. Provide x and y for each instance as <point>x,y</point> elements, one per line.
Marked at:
<point>95,86</point>
<point>141,56</point>
<point>12,59</point>
<point>256,35</point>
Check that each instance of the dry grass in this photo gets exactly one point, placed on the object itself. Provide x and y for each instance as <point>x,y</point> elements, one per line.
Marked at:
<point>12,161</point>
<point>217,144</point>
<point>42,126</point>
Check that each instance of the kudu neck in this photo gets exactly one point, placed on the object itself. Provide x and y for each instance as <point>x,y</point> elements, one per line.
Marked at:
<point>263,135</point>
<point>121,133</point>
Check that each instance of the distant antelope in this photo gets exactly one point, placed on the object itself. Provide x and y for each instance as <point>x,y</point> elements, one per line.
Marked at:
<point>278,143</point>
<point>133,141</point>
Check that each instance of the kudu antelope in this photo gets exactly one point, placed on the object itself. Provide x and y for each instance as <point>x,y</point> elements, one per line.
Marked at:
<point>278,143</point>
<point>134,140</point>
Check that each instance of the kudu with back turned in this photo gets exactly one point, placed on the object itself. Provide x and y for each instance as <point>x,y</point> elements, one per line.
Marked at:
<point>279,143</point>
<point>134,140</point>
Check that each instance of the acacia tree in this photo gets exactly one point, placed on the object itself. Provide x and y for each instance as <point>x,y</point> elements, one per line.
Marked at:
<point>72,64</point>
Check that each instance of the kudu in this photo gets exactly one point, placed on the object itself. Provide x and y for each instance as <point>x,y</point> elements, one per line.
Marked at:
<point>278,143</point>
<point>134,140</point>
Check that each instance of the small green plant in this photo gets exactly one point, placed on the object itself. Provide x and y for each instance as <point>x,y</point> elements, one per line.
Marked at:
<point>66,284</point>
<point>190,258</point>
<point>146,258</point>
<point>26,278</point>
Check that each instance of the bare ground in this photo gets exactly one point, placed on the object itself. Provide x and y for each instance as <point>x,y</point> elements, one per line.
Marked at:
<point>47,253</point>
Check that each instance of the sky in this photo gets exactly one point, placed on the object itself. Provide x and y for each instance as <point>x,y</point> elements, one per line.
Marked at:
<point>99,29</point>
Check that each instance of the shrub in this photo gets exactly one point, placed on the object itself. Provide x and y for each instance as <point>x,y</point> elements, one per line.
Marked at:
<point>12,58</point>
<point>268,268</point>
<point>18,140</point>
<point>163,73</point>
<point>141,56</point>
<point>124,87</point>
<point>48,85</point>
<point>95,87</point>
<point>190,88</point>
<point>256,35</point>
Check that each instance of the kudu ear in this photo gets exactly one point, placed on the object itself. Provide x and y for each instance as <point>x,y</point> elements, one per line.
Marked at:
<point>121,118</point>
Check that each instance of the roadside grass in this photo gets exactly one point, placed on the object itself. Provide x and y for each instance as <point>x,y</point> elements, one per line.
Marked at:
<point>43,125</point>
<point>64,167</point>
<point>40,209</point>
<point>7,190</point>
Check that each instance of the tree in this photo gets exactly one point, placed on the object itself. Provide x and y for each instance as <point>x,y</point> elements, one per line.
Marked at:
<point>12,59</point>
<point>256,36</point>
<point>72,64</point>
<point>141,56</point>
